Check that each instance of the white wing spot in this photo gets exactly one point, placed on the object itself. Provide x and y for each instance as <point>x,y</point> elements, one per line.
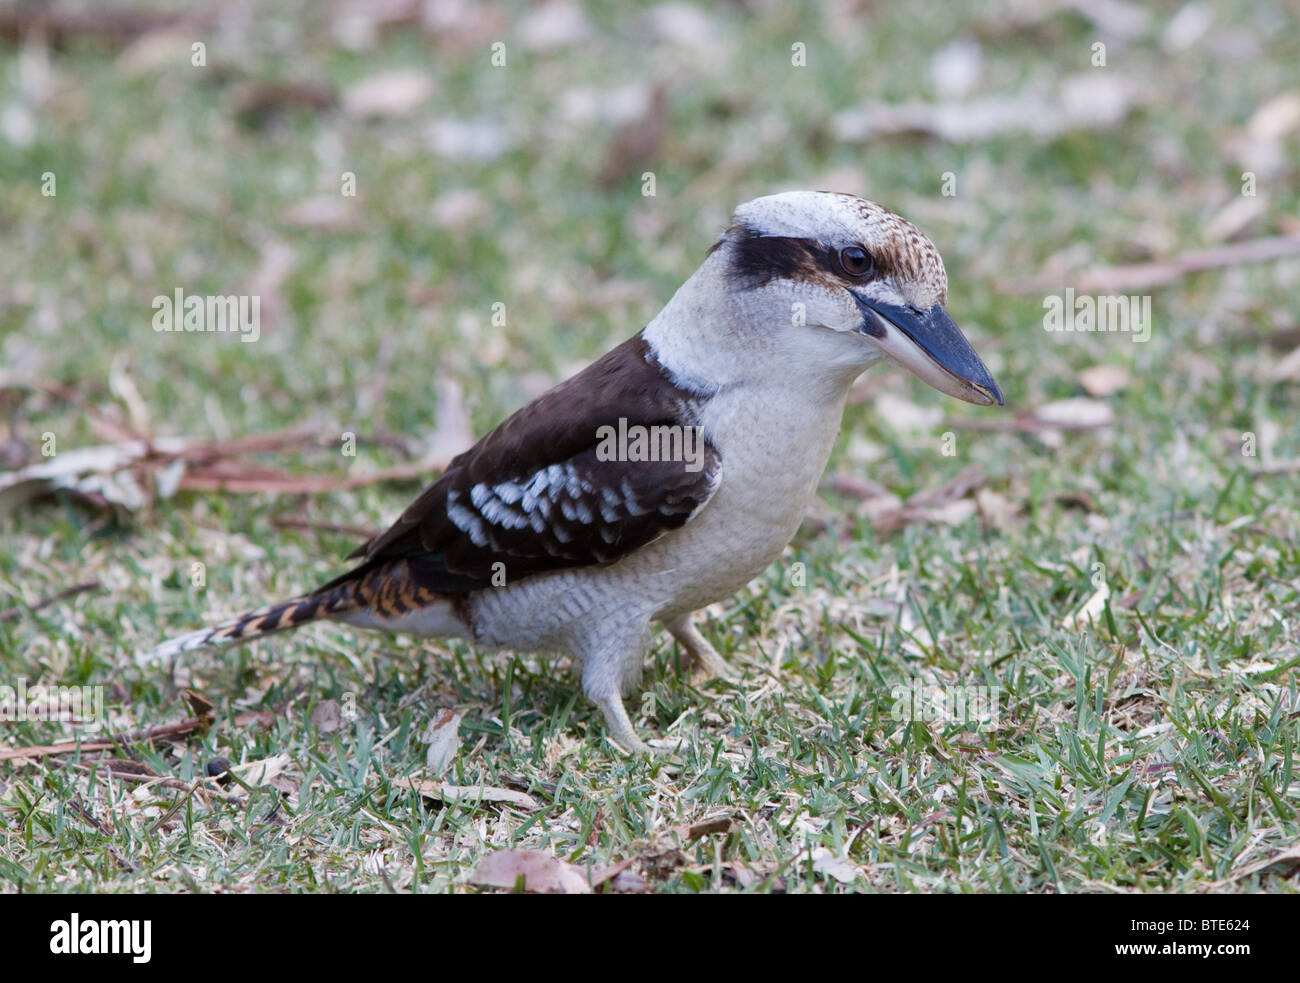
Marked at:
<point>465,520</point>
<point>630,502</point>
<point>509,492</point>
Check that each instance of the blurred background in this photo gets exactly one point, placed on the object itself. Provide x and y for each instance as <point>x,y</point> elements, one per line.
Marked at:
<point>446,206</point>
<point>498,151</point>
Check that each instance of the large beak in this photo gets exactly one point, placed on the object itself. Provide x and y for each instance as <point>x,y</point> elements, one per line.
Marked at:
<point>928,344</point>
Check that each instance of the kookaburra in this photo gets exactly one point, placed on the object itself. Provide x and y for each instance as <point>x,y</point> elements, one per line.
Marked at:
<point>669,473</point>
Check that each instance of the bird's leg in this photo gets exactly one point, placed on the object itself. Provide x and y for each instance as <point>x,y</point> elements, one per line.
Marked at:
<point>605,674</point>
<point>699,649</point>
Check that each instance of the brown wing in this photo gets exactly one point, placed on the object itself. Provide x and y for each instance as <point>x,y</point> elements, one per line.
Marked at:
<point>534,495</point>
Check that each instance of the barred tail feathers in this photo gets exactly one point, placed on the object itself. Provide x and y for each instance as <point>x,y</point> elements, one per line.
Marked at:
<point>258,623</point>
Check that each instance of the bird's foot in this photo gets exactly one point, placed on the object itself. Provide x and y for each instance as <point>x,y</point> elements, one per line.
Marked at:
<point>697,647</point>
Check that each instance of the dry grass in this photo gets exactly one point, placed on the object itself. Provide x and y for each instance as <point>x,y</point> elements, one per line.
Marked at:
<point>1153,750</point>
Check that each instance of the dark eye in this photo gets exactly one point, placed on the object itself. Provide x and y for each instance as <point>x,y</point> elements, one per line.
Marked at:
<point>856,261</point>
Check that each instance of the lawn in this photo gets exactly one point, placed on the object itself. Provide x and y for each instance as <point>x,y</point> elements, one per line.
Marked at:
<point>1111,563</point>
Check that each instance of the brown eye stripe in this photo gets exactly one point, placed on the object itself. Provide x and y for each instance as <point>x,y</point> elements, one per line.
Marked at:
<point>899,250</point>
<point>759,259</point>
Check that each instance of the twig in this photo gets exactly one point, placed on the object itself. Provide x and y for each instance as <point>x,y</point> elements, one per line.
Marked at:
<point>9,614</point>
<point>198,785</point>
<point>114,429</point>
<point>178,728</point>
<point>919,505</point>
<point>1139,276</point>
<point>294,485</point>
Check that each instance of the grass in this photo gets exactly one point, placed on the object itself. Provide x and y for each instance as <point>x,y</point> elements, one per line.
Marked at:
<point>1152,751</point>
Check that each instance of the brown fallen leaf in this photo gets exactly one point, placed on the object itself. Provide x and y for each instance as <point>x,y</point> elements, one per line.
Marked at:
<point>535,871</point>
<point>472,794</point>
<point>688,833</point>
<point>128,766</point>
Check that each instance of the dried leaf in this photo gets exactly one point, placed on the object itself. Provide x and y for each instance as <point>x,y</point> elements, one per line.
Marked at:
<point>1103,380</point>
<point>827,863</point>
<point>101,470</point>
<point>537,872</point>
<point>262,772</point>
<point>327,717</point>
<point>443,737</point>
<point>1077,413</point>
<point>690,833</point>
<point>1234,218</point>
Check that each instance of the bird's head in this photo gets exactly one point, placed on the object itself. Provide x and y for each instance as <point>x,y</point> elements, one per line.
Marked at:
<point>836,279</point>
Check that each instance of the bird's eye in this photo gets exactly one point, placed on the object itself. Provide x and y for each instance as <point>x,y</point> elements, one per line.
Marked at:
<point>856,261</point>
